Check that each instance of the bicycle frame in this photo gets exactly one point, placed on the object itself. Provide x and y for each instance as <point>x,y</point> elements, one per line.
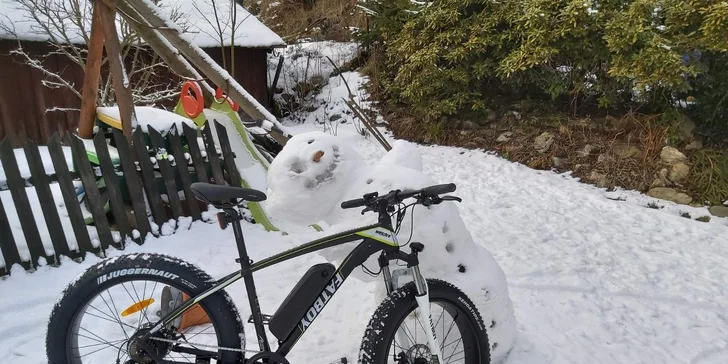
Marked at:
<point>375,238</point>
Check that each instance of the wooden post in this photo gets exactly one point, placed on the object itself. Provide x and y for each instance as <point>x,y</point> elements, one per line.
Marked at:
<point>118,74</point>
<point>91,77</point>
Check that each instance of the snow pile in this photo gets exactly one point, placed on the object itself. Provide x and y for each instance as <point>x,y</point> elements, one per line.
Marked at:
<point>159,119</point>
<point>308,191</point>
<point>302,61</point>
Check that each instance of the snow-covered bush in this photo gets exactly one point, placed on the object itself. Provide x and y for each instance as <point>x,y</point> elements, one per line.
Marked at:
<point>315,172</point>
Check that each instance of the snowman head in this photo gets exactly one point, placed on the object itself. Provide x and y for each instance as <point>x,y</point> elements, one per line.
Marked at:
<point>308,178</point>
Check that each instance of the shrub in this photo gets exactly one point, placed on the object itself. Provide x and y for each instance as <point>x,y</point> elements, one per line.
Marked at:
<point>456,57</point>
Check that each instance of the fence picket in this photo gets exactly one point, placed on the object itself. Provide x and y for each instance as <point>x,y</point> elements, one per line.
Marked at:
<point>41,182</point>
<point>16,185</point>
<point>167,173</point>
<point>68,191</point>
<point>184,173</point>
<point>92,191</point>
<point>197,160</point>
<point>7,242</point>
<point>227,153</point>
<point>150,184</point>
<point>212,154</point>
<point>112,187</point>
<point>133,183</point>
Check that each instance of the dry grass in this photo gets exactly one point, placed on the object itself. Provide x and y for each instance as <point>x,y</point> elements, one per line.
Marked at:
<point>317,20</point>
<point>602,166</point>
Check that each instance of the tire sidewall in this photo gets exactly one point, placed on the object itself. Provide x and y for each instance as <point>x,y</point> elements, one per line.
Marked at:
<point>402,301</point>
<point>166,271</point>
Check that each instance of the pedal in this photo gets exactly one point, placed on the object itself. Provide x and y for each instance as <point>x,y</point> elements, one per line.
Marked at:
<point>266,319</point>
<point>340,361</point>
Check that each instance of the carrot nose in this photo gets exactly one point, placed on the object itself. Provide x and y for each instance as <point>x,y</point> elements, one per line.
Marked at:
<point>317,156</point>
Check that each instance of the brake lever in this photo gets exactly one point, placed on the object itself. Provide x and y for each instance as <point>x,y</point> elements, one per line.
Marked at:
<point>366,210</point>
<point>451,198</point>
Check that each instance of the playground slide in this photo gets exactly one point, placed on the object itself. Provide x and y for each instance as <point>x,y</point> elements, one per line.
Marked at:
<point>252,166</point>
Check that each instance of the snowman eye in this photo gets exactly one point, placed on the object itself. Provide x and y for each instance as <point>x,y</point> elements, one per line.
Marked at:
<point>310,141</point>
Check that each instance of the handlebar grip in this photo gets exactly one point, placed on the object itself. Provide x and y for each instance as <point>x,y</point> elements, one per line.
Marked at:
<point>438,189</point>
<point>358,202</point>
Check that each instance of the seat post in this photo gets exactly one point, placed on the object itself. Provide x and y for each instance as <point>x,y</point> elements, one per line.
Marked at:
<point>234,218</point>
<point>248,279</point>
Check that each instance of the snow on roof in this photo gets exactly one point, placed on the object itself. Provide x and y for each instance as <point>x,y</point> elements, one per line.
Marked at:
<point>196,17</point>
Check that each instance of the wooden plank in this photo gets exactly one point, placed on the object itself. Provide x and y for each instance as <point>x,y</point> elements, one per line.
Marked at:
<point>47,202</point>
<point>91,80</point>
<point>112,187</point>
<point>133,183</point>
<point>227,153</point>
<point>16,185</point>
<point>150,185</point>
<point>212,155</point>
<point>208,67</point>
<point>195,153</point>
<point>122,92</point>
<point>184,173</point>
<point>170,56</point>
<point>7,242</point>
<point>68,191</point>
<point>165,168</point>
<point>92,192</point>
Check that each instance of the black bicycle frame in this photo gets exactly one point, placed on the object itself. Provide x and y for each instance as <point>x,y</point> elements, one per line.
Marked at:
<point>375,238</point>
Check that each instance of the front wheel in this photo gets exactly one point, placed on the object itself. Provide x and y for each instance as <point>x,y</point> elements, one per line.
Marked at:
<point>395,333</point>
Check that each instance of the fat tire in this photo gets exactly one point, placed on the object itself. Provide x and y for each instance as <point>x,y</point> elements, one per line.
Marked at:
<point>219,307</point>
<point>384,323</point>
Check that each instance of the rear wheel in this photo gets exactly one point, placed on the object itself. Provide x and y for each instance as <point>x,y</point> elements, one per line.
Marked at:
<point>395,333</point>
<point>104,313</point>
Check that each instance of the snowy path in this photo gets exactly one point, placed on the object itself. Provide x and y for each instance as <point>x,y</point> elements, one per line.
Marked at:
<point>593,280</point>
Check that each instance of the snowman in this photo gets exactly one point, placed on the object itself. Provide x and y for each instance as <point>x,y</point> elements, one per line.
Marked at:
<point>316,171</point>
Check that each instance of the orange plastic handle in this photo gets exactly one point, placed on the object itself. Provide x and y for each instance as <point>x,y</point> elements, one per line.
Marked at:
<point>220,95</point>
<point>192,101</point>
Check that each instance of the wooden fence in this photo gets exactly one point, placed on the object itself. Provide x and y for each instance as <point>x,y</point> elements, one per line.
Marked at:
<point>127,185</point>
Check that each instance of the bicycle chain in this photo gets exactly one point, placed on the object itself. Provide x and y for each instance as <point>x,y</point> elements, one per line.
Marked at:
<point>205,345</point>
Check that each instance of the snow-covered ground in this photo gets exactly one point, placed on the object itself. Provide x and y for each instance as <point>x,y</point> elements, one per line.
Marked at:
<point>592,279</point>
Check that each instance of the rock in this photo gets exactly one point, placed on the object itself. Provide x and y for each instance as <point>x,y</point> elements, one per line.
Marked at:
<point>467,124</point>
<point>585,152</point>
<point>686,128</point>
<point>600,179</point>
<point>490,115</point>
<point>559,162</point>
<point>543,142</point>
<point>720,211</point>
<point>670,194</point>
<point>334,117</point>
<point>696,144</point>
<point>658,183</point>
<point>504,137</point>
<point>515,114</point>
<point>671,155</point>
<point>679,172</point>
<point>626,151</point>
<point>603,158</point>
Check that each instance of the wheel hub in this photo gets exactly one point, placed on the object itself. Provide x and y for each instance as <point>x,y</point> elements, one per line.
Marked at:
<point>139,355</point>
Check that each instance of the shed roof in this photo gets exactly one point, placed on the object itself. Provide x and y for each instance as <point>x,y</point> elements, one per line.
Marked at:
<point>196,17</point>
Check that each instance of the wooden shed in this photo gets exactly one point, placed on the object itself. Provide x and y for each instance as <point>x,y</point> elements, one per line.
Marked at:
<point>30,110</point>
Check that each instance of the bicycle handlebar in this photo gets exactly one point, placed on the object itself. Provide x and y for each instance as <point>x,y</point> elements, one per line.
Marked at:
<point>397,196</point>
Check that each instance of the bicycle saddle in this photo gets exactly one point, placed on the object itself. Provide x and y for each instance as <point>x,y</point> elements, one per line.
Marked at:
<point>215,194</point>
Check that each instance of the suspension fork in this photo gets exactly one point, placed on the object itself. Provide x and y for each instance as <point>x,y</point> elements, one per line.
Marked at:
<point>423,301</point>
<point>422,296</point>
